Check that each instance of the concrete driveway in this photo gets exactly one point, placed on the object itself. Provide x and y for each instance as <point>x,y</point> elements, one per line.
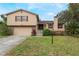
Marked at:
<point>9,42</point>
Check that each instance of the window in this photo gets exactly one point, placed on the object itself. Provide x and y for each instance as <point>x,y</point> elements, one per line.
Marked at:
<point>24,18</point>
<point>21,18</point>
<point>17,18</point>
<point>60,25</point>
<point>50,25</point>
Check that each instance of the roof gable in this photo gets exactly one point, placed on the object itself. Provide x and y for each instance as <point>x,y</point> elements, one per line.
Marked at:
<point>24,11</point>
<point>21,10</point>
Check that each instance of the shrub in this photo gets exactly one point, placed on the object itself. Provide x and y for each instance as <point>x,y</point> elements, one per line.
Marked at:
<point>58,33</point>
<point>72,28</point>
<point>33,32</point>
<point>47,32</point>
<point>4,30</point>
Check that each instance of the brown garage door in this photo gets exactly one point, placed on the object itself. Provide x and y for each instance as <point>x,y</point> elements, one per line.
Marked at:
<point>22,31</point>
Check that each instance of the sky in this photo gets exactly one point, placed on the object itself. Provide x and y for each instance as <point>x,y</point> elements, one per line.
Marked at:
<point>46,11</point>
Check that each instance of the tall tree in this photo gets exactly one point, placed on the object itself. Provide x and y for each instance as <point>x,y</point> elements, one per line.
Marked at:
<point>70,18</point>
<point>4,30</point>
<point>4,18</point>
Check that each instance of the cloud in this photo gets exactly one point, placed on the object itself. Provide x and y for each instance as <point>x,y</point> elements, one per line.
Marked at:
<point>60,6</point>
<point>50,14</point>
<point>47,16</point>
<point>32,6</point>
<point>39,6</point>
<point>49,9</point>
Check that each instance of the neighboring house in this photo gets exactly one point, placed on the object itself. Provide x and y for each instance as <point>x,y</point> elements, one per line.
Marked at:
<point>22,22</point>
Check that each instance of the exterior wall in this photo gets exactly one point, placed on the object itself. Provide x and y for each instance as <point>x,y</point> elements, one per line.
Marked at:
<point>21,31</point>
<point>32,19</point>
<point>46,26</point>
<point>55,26</point>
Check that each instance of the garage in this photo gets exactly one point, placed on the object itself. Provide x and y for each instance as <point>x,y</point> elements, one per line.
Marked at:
<point>22,31</point>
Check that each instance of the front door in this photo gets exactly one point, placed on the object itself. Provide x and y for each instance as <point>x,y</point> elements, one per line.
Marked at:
<point>40,26</point>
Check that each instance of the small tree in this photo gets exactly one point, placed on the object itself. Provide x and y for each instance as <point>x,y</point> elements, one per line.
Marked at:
<point>4,18</point>
<point>4,30</point>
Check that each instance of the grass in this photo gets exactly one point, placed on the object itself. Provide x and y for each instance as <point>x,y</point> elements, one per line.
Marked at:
<point>42,46</point>
<point>2,36</point>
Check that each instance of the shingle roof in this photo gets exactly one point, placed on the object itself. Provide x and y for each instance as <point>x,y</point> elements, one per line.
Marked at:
<point>20,10</point>
<point>23,10</point>
<point>43,22</point>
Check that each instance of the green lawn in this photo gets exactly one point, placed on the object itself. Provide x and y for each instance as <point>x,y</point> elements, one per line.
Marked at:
<point>42,46</point>
<point>2,36</point>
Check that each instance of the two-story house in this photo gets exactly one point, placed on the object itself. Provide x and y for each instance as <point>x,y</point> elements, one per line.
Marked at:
<point>22,22</point>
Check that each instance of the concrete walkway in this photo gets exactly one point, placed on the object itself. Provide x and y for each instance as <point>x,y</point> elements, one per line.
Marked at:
<point>9,42</point>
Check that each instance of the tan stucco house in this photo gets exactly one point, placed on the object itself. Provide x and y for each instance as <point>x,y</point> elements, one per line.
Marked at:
<point>22,22</point>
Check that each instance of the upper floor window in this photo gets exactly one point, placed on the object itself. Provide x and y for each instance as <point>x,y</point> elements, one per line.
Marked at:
<point>60,25</point>
<point>21,18</point>
<point>50,25</point>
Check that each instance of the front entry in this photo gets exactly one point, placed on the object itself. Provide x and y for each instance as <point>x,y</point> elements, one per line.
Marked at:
<point>40,26</point>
